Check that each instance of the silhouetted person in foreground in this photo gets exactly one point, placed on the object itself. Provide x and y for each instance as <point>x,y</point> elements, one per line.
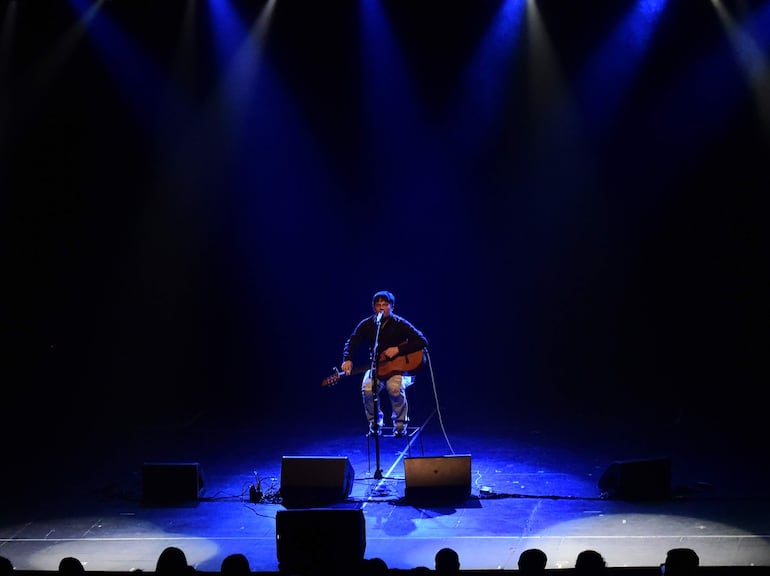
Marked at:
<point>71,566</point>
<point>6,567</point>
<point>373,567</point>
<point>590,563</point>
<point>447,561</point>
<point>235,565</point>
<point>681,562</point>
<point>173,562</point>
<point>532,561</point>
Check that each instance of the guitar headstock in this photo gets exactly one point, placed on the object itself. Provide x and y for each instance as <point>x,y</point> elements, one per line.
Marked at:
<point>332,379</point>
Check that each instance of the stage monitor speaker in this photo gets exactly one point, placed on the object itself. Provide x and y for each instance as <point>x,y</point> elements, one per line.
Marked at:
<point>315,481</point>
<point>648,479</point>
<point>319,540</point>
<point>171,482</point>
<point>437,479</point>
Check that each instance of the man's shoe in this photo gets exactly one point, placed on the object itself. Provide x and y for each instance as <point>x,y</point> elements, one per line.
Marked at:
<point>400,432</point>
<point>371,430</point>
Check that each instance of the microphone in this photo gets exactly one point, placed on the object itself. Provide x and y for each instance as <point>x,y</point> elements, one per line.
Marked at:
<point>379,317</point>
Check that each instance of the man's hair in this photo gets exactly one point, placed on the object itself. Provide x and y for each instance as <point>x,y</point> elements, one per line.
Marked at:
<point>590,561</point>
<point>385,295</point>
<point>447,560</point>
<point>532,559</point>
<point>681,561</point>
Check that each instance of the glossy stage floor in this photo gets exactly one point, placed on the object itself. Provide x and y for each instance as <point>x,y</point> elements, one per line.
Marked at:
<point>530,485</point>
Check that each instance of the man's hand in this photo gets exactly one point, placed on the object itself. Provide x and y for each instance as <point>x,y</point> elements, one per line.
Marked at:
<point>391,352</point>
<point>346,367</point>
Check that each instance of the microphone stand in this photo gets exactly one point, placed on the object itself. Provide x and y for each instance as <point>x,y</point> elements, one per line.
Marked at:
<point>376,399</point>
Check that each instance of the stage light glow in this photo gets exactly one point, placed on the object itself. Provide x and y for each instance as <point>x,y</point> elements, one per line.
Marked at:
<point>751,57</point>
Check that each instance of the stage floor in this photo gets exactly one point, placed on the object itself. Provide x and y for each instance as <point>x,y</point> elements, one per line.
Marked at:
<point>530,486</point>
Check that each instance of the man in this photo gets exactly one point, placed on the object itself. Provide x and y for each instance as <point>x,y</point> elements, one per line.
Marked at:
<point>681,562</point>
<point>532,562</point>
<point>397,344</point>
<point>447,561</point>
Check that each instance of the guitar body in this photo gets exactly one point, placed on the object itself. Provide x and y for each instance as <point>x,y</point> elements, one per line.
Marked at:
<point>401,364</point>
<point>386,367</point>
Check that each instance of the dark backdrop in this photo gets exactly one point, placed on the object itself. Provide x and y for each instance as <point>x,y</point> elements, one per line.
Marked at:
<point>175,249</point>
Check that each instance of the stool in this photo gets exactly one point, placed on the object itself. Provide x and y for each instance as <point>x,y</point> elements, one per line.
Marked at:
<point>412,432</point>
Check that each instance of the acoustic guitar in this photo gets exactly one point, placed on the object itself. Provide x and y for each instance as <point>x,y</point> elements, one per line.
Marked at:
<point>387,367</point>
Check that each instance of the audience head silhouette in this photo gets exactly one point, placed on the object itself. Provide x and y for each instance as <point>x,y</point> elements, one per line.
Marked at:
<point>235,565</point>
<point>590,562</point>
<point>6,567</point>
<point>172,562</point>
<point>372,567</point>
<point>681,562</point>
<point>447,561</point>
<point>70,565</point>
<point>532,561</point>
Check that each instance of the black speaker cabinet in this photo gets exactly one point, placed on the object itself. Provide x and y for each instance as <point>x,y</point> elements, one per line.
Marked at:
<point>648,479</point>
<point>437,479</point>
<point>307,481</point>
<point>319,539</point>
<point>171,482</point>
